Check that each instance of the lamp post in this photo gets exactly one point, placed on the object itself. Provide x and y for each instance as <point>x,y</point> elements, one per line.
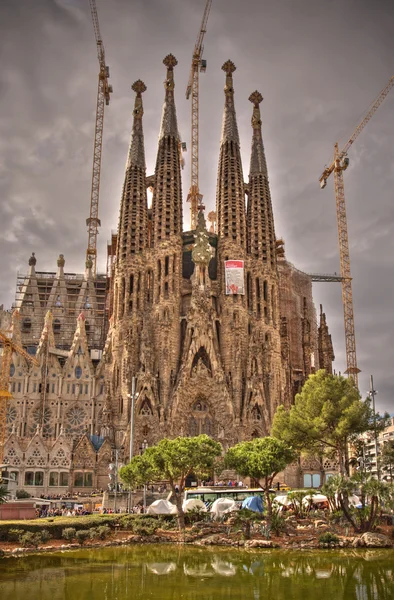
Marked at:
<point>133,396</point>
<point>373,393</point>
<point>143,447</point>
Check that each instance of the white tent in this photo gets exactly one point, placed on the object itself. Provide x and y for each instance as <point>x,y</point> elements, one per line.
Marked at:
<point>283,500</point>
<point>162,507</point>
<point>223,506</point>
<point>315,499</point>
<point>193,504</point>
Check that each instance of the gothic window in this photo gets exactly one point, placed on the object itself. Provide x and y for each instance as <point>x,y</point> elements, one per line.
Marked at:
<point>78,372</point>
<point>60,459</point>
<point>12,458</point>
<point>58,301</point>
<point>36,459</point>
<point>200,421</point>
<point>193,427</point>
<point>146,409</point>
<point>43,419</point>
<point>11,414</point>
<point>75,421</point>
<point>26,325</point>
<point>87,303</point>
<point>12,370</point>
<point>87,326</point>
<point>145,431</point>
<point>256,413</point>
<point>56,326</point>
<point>203,356</point>
<point>265,291</point>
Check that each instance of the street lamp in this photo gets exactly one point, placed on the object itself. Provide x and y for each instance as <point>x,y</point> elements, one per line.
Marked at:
<point>143,447</point>
<point>372,393</point>
<point>133,397</point>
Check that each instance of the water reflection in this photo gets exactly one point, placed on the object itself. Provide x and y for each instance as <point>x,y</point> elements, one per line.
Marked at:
<point>168,573</point>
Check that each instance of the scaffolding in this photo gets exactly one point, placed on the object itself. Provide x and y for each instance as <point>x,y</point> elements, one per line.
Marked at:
<point>33,308</point>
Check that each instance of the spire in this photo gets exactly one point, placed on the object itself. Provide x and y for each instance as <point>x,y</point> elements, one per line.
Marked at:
<point>132,232</point>
<point>260,220</point>
<point>325,346</point>
<point>167,192</point>
<point>229,125</point>
<point>58,295</point>
<point>230,195</point>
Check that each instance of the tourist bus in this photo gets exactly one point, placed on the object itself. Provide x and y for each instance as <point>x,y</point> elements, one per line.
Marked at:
<point>209,494</point>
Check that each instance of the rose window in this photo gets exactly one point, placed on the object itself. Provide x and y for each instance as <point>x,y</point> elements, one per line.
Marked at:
<point>76,416</point>
<point>12,414</point>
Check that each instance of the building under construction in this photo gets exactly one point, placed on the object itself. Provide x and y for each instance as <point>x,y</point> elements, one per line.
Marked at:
<point>217,327</point>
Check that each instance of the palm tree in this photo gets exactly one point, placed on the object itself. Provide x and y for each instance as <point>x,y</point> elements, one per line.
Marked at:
<point>3,494</point>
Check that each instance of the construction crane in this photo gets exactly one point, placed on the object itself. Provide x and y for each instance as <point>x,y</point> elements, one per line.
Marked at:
<point>103,98</point>
<point>198,64</point>
<point>8,348</point>
<point>339,164</point>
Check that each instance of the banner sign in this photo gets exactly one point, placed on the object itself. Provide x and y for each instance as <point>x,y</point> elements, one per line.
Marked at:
<point>234,277</point>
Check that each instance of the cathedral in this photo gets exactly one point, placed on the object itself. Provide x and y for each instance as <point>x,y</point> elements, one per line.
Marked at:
<point>214,326</point>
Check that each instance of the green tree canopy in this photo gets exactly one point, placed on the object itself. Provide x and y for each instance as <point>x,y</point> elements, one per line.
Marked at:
<point>326,413</point>
<point>261,459</point>
<point>173,460</point>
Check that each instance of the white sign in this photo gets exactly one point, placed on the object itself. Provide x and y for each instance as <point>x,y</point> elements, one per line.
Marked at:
<point>234,277</point>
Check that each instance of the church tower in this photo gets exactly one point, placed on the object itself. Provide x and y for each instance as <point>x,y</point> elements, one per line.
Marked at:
<point>129,281</point>
<point>230,208</point>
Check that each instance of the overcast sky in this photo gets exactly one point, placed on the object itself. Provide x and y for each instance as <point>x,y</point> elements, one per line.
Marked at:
<point>318,63</point>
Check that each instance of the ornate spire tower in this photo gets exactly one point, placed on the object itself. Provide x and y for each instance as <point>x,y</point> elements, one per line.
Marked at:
<point>132,233</point>
<point>129,280</point>
<point>260,220</point>
<point>167,193</point>
<point>230,195</point>
<point>133,225</point>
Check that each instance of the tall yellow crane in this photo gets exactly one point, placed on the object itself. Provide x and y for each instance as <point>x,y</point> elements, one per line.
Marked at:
<point>103,98</point>
<point>198,64</point>
<point>8,348</point>
<point>339,164</point>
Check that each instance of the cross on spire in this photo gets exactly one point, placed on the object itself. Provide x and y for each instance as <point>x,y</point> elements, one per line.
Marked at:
<point>138,87</point>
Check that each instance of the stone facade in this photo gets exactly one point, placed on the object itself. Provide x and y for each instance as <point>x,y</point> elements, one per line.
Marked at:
<point>206,358</point>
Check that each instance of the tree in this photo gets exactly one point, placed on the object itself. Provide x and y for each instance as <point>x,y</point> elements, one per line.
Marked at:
<point>387,458</point>
<point>3,494</point>
<point>326,413</point>
<point>371,492</point>
<point>261,459</point>
<point>173,460</point>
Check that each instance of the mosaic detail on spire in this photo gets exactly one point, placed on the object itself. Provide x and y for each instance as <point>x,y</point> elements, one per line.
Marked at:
<point>169,125</point>
<point>136,155</point>
<point>229,126</point>
<point>257,160</point>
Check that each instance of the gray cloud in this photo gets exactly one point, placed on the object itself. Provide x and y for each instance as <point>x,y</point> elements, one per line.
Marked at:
<point>318,66</point>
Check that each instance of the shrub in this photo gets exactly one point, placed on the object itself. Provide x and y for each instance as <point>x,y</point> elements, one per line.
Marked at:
<point>56,525</point>
<point>82,536</point>
<point>328,538</point>
<point>93,533</point>
<point>103,531</point>
<point>144,526</point>
<point>30,539</point>
<point>277,522</point>
<point>20,494</point>
<point>14,535</point>
<point>69,533</point>
<point>45,536</point>
<point>167,524</point>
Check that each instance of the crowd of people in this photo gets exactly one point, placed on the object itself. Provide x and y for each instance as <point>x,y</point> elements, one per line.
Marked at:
<point>71,496</point>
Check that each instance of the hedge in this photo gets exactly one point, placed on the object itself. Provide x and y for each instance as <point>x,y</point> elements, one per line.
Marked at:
<point>55,525</point>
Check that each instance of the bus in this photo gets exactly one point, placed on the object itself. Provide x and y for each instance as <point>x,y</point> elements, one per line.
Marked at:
<point>209,494</point>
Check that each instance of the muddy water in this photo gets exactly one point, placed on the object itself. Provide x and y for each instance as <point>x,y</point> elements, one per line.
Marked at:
<point>174,573</point>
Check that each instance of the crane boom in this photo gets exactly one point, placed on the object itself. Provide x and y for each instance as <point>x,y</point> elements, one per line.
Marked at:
<point>339,164</point>
<point>374,107</point>
<point>194,196</point>
<point>103,97</point>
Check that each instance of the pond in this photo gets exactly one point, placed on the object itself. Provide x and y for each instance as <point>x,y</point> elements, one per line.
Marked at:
<point>190,573</point>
